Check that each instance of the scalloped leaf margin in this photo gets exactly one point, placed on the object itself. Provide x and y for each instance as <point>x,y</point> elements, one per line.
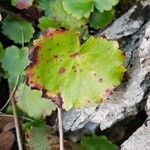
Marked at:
<point>79,74</point>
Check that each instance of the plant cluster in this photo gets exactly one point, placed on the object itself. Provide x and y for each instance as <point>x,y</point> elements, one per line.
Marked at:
<point>72,14</point>
<point>67,72</point>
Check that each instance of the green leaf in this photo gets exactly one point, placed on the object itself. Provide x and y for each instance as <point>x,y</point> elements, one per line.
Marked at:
<point>40,138</point>
<point>12,81</point>
<point>81,74</point>
<point>30,101</point>
<point>20,31</point>
<point>33,123</point>
<point>22,4</point>
<point>45,23</point>
<point>97,143</point>
<point>103,5</point>
<point>100,20</point>
<point>78,8</point>
<point>15,60</point>
<point>43,138</point>
<point>63,18</point>
<point>1,52</point>
<point>44,4</point>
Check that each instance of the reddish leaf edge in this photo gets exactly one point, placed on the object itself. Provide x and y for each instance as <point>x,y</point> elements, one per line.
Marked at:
<point>33,53</point>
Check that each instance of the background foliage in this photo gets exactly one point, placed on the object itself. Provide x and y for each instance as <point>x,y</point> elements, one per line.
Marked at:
<point>75,58</point>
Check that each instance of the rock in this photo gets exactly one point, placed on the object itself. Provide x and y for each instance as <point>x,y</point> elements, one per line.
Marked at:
<point>129,23</point>
<point>144,54</point>
<point>147,108</point>
<point>74,117</point>
<point>90,128</point>
<point>126,98</point>
<point>140,140</point>
<point>74,136</point>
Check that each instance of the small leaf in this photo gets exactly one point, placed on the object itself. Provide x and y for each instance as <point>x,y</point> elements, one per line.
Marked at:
<point>30,101</point>
<point>80,74</point>
<point>63,18</point>
<point>22,4</point>
<point>40,138</point>
<point>78,8</point>
<point>44,4</point>
<point>43,138</point>
<point>103,5</point>
<point>15,60</point>
<point>33,123</point>
<point>100,20</point>
<point>97,143</point>
<point>45,23</point>
<point>19,31</point>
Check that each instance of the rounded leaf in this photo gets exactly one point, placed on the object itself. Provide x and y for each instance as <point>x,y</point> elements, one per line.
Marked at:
<point>78,8</point>
<point>79,74</point>
<point>102,5</point>
<point>40,138</point>
<point>15,60</point>
<point>59,15</point>
<point>43,138</point>
<point>100,20</point>
<point>45,23</point>
<point>31,102</point>
<point>20,31</point>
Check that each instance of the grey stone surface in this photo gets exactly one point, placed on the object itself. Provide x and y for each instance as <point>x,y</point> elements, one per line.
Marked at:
<point>147,108</point>
<point>140,140</point>
<point>125,99</point>
<point>144,54</point>
<point>126,25</point>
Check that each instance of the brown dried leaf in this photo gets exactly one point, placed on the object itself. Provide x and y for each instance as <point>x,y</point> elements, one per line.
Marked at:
<point>6,123</point>
<point>6,140</point>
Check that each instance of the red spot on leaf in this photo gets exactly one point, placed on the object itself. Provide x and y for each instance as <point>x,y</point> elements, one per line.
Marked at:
<point>100,80</point>
<point>62,71</point>
<point>57,44</point>
<point>50,32</point>
<point>27,135</point>
<point>74,55</point>
<point>73,67</point>
<point>101,100</point>
<point>109,92</point>
<point>56,56</point>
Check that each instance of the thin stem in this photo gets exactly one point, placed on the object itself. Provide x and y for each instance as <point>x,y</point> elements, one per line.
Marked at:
<point>11,95</point>
<point>61,138</point>
<point>11,98</point>
<point>19,139</point>
<point>22,117</point>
